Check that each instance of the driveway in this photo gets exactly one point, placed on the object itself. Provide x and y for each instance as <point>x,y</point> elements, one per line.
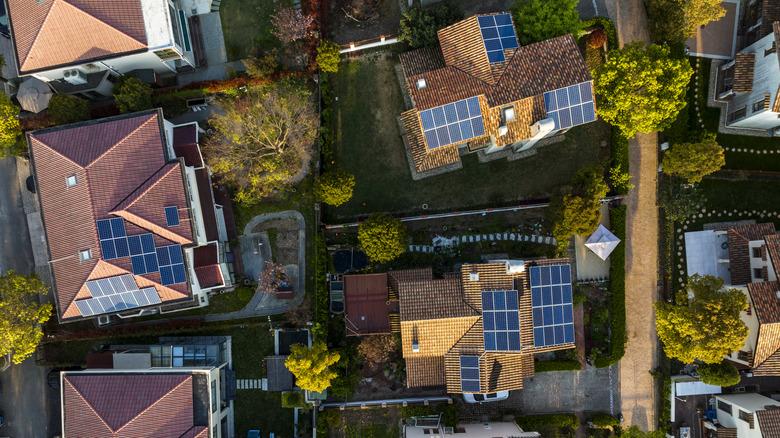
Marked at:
<point>29,405</point>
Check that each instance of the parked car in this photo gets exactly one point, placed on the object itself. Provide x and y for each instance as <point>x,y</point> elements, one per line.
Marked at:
<point>486,398</point>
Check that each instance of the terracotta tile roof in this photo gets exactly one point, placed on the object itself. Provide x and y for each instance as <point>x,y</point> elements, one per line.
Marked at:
<point>424,372</point>
<point>726,432</point>
<point>443,86</point>
<point>151,405</point>
<point>185,145</point>
<point>206,197</point>
<point>421,60</point>
<point>434,337</point>
<point>423,158</point>
<point>366,304</point>
<point>743,72</point>
<point>207,269</point>
<point>773,249</point>
<point>52,33</point>
<point>196,432</point>
<point>767,308</point>
<point>769,421</point>
<point>433,299</point>
<point>739,238</point>
<point>118,162</point>
<point>462,47</point>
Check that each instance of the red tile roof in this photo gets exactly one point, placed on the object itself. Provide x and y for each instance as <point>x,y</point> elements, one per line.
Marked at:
<point>366,304</point>
<point>739,238</point>
<point>52,33</point>
<point>128,405</point>
<point>122,170</point>
<point>185,145</point>
<point>206,261</point>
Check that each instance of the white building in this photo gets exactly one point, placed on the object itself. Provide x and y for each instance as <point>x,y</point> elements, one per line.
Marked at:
<point>467,430</point>
<point>747,415</point>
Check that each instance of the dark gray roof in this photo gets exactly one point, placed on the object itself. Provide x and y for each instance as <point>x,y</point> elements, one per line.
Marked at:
<point>279,377</point>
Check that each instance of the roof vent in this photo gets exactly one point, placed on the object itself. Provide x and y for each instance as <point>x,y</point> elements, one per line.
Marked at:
<point>474,276</point>
<point>502,130</point>
<point>71,181</point>
<point>421,83</point>
<point>778,294</point>
<point>415,346</point>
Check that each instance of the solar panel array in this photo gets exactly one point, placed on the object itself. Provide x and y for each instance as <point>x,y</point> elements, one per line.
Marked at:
<point>113,238</point>
<point>571,106</point>
<point>501,320</point>
<point>551,300</point>
<point>171,264</point>
<point>469,373</point>
<point>498,33</point>
<point>452,123</point>
<point>172,216</point>
<point>114,294</point>
<point>142,253</point>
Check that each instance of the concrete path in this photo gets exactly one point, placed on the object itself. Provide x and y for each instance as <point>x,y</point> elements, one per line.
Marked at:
<point>637,386</point>
<point>15,249</point>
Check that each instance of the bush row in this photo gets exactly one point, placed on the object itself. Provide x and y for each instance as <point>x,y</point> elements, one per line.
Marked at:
<point>561,421</point>
<point>617,291</point>
<point>557,365</point>
<point>321,298</point>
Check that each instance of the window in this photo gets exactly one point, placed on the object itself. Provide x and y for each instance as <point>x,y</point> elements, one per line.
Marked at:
<point>85,254</point>
<point>509,114</point>
<point>758,106</point>
<point>725,407</point>
<point>172,216</point>
<point>757,252</point>
<point>184,32</point>
<point>71,181</point>
<point>758,273</point>
<point>213,396</point>
<point>748,418</point>
<point>738,114</point>
<point>175,25</point>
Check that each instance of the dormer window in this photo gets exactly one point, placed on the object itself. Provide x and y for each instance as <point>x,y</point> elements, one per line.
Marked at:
<point>421,83</point>
<point>85,254</point>
<point>509,114</point>
<point>71,181</point>
<point>172,216</point>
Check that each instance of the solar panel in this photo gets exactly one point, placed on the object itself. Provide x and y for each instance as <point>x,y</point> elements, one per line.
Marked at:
<point>571,106</point>
<point>498,34</point>
<point>171,264</point>
<point>469,373</point>
<point>452,123</point>
<point>143,254</point>
<point>113,238</point>
<point>551,301</point>
<point>172,216</point>
<point>500,320</point>
<point>114,294</point>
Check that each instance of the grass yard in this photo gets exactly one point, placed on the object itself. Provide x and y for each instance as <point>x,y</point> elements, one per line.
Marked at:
<point>368,145</point>
<point>246,25</point>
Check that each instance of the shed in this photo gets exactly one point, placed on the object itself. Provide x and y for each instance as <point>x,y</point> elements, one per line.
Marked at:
<point>279,377</point>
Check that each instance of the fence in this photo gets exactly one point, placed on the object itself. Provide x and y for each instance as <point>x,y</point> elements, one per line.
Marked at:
<point>369,44</point>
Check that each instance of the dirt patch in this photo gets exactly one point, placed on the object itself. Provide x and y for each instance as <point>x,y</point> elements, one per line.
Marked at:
<point>283,236</point>
<point>357,20</point>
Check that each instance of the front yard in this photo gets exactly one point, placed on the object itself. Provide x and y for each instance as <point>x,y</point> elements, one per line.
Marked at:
<point>246,25</point>
<point>368,145</point>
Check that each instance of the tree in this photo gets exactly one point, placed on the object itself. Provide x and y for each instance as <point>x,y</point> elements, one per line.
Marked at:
<point>131,94</point>
<point>707,326</point>
<point>10,128</point>
<point>21,315</point>
<point>620,179</point>
<point>335,187</point>
<point>263,140</point>
<point>312,366</point>
<point>693,161</point>
<point>634,432</point>
<point>382,238</point>
<point>262,66</point>
<point>641,88</point>
<point>720,374</point>
<point>66,108</point>
<point>419,26</point>
<point>328,56</point>
<point>676,20</point>
<point>377,349</point>
<point>539,20</point>
<point>579,211</point>
<point>597,38</point>
<point>289,25</point>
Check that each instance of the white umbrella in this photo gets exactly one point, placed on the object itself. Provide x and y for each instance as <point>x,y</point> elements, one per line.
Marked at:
<point>34,95</point>
<point>602,242</point>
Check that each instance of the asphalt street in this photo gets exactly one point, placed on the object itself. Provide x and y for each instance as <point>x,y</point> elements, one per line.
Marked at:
<point>29,405</point>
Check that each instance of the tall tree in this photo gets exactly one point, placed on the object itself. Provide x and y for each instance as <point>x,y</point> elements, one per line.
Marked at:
<point>579,211</point>
<point>382,238</point>
<point>132,94</point>
<point>707,326</point>
<point>328,56</point>
<point>675,20</point>
<point>10,128</point>
<point>693,161</point>
<point>419,26</point>
<point>289,25</point>
<point>312,367</point>
<point>21,315</point>
<point>538,20</point>
<point>263,140</point>
<point>641,88</point>
<point>335,187</point>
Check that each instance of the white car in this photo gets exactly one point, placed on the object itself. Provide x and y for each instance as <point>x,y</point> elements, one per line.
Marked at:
<point>485,398</point>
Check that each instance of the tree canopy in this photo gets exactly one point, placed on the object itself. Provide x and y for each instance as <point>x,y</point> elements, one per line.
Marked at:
<point>641,88</point>
<point>419,26</point>
<point>21,315</point>
<point>328,56</point>
<point>707,326</point>
<point>263,140</point>
<point>579,211</point>
<point>538,20</point>
<point>312,366</point>
<point>382,238</point>
<point>720,374</point>
<point>10,128</point>
<point>335,187</point>
<point>680,202</point>
<point>693,161</point>
<point>289,25</point>
<point>676,20</point>
<point>66,108</point>
<point>132,94</point>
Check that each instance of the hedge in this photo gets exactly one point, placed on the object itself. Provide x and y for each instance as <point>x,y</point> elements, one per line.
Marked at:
<point>449,413</point>
<point>606,24</point>
<point>617,291</point>
<point>603,420</point>
<point>561,421</point>
<point>322,298</point>
<point>293,399</point>
<point>557,365</point>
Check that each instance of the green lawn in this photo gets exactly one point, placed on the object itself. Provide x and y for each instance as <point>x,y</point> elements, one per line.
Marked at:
<point>368,145</point>
<point>246,25</point>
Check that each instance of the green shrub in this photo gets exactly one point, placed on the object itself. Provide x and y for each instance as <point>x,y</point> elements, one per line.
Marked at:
<point>557,365</point>
<point>131,94</point>
<point>382,238</point>
<point>10,129</point>
<point>539,20</point>
<point>322,296</point>
<point>617,291</point>
<point>175,104</point>
<point>65,108</point>
<point>335,187</point>
<point>293,399</point>
<point>449,413</point>
<point>419,26</point>
<point>720,374</point>
<point>561,421</point>
<point>328,56</point>
<point>604,420</point>
<point>605,24</point>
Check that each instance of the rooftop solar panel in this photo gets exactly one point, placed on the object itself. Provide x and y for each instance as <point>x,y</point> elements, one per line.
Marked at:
<point>172,216</point>
<point>469,373</point>
<point>172,269</point>
<point>501,320</point>
<point>571,106</point>
<point>143,254</point>
<point>498,34</point>
<point>452,123</point>
<point>551,301</point>
<point>114,294</point>
<point>112,235</point>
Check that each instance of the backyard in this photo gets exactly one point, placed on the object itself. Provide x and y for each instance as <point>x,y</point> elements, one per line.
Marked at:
<point>368,145</point>
<point>246,25</point>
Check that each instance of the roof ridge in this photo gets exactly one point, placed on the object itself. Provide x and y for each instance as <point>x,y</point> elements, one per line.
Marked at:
<point>33,137</point>
<point>123,139</point>
<point>187,379</point>
<point>102,21</point>
<point>90,406</point>
<point>479,318</point>
<point>155,179</point>
<point>37,34</point>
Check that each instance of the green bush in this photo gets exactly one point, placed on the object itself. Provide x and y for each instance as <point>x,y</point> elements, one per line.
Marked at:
<point>419,26</point>
<point>604,420</point>
<point>65,108</point>
<point>328,56</point>
<point>293,399</point>
<point>561,421</point>
<point>606,24</point>
<point>617,291</point>
<point>449,413</point>
<point>321,294</point>
<point>10,129</point>
<point>382,238</point>
<point>335,187</point>
<point>720,374</point>
<point>539,20</point>
<point>557,365</point>
<point>131,94</point>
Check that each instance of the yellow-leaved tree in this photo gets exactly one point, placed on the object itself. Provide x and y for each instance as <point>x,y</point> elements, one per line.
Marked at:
<point>21,315</point>
<point>312,366</point>
<point>705,327</point>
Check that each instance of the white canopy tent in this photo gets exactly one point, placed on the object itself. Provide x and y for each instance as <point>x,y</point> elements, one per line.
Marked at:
<point>602,242</point>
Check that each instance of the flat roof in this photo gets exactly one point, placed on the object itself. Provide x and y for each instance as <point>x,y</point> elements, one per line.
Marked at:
<point>366,298</point>
<point>718,39</point>
<point>703,250</point>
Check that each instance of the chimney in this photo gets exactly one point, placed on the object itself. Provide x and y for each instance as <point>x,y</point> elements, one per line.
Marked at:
<point>421,83</point>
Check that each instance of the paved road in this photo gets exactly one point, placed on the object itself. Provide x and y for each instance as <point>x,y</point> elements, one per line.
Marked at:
<point>637,386</point>
<point>29,405</point>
